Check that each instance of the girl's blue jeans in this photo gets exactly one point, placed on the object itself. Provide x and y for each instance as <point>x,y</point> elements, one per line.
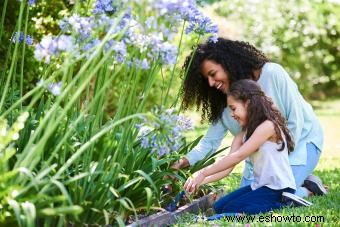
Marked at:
<point>248,201</point>
<point>300,172</point>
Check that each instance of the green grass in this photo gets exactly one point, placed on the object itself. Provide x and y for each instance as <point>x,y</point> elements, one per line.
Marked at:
<point>328,169</point>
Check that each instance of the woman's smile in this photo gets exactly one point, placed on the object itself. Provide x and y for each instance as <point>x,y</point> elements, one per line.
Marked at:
<point>216,75</point>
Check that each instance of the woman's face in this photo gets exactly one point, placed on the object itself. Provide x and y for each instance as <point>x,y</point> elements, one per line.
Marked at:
<point>238,110</point>
<point>215,75</point>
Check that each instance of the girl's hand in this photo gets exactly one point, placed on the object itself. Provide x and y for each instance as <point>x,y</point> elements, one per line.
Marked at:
<point>193,182</point>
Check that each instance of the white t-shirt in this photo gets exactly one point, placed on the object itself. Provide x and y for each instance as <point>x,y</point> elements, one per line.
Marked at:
<point>271,167</point>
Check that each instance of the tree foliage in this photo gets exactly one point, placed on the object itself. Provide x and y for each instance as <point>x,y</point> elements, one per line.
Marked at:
<point>302,35</point>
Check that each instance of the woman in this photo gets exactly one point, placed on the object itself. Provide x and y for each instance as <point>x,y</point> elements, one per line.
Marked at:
<point>212,68</point>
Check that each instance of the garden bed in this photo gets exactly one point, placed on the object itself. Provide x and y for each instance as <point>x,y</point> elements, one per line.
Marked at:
<point>164,218</point>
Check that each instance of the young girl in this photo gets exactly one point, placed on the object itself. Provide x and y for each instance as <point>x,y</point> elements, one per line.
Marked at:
<point>266,140</point>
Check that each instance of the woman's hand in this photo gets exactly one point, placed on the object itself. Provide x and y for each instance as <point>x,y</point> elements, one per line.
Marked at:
<point>193,182</point>
<point>180,164</point>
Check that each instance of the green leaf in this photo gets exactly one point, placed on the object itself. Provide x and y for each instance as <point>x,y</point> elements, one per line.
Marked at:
<point>73,210</point>
<point>147,177</point>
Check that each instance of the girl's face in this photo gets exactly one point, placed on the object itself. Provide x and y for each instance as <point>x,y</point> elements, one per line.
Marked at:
<point>238,110</point>
<point>216,75</point>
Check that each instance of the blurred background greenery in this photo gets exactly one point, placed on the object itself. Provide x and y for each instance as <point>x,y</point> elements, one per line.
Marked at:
<point>302,35</point>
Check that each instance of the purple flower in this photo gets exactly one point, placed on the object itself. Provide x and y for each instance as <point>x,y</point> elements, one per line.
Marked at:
<point>63,25</point>
<point>144,64</point>
<point>108,45</point>
<point>64,43</point>
<point>29,40</point>
<point>20,38</point>
<point>187,10</point>
<point>30,2</point>
<point>92,43</point>
<point>55,88</point>
<point>125,19</point>
<point>81,26</point>
<point>176,146</point>
<point>45,49</point>
<point>168,53</point>
<point>52,46</point>
<point>145,142</point>
<point>185,123</point>
<point>120,51</point>
<point>213,38</point>
<point>174,6</point>
<point>103,6</point>
<point>165,135</point>
<point>162,150</point>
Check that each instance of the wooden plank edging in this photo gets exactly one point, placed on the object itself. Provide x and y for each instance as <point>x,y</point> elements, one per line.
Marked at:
<point>165,218</point>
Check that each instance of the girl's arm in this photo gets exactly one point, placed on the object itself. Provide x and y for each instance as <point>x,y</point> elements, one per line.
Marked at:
<point>217,176</point>
<point>262,133</point>
<point>235,145</point>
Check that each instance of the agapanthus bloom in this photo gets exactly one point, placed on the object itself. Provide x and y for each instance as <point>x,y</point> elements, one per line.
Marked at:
<point>80,26</point>
<point>55,88</point>
<point>45,49</point>
<point>50,46</point>
<point>20,37</point>
<point>187,10</point>
<point>103,6</point>
<point>143,64</point>
<point>165,135</point>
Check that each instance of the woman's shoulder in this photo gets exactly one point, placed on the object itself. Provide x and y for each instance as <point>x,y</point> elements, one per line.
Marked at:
<point>273,68</point>
<point>273,73</point>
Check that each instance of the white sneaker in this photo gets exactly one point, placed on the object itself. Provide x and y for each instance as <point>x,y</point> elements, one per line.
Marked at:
<point>294,200</point>
<point>314,184</point>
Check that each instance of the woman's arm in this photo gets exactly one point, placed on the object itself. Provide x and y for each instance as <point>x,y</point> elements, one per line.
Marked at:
<point>287,97</point>
<point>207,145</point>
<point>235,145</point>
<point>262,133</point>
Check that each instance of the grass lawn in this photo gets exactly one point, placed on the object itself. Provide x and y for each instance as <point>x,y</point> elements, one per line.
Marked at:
<point>325,210</point>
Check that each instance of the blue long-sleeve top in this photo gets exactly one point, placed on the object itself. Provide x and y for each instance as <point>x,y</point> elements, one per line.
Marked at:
<point>302,121</point>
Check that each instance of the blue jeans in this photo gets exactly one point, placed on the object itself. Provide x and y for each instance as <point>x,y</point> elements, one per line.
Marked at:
<point>300,172</point>
<point>248,201</point>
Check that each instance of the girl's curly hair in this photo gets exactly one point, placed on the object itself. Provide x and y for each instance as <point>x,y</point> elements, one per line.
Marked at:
<point>239,59</point>
<point>259,109</point>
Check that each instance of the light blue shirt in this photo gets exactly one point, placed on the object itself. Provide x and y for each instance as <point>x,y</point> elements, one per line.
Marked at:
<point>302,121</point>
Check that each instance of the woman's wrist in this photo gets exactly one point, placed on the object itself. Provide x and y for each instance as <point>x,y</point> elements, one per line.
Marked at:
<point>182,163</point>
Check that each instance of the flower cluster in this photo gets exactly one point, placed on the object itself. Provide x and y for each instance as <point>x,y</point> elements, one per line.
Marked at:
<point>187,10</point>
<point>81,26</point>
<point>20,37</point>
<point>151,36</point>
<point>166,135</point>
<point>53,46</point>
<point>54,88</point>
<point>104,6</point>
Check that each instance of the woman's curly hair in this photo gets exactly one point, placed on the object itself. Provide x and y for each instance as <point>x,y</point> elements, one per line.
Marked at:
<point>239,59</point>
<point>259,109</point>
